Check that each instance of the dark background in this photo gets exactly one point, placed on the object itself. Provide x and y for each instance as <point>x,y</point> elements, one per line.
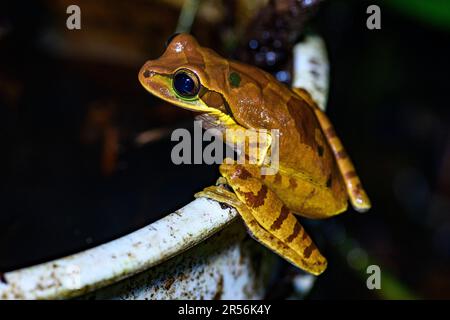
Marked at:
<point>72,175</point>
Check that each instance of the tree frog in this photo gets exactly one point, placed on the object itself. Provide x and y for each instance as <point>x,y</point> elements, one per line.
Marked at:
<point>315,177</point>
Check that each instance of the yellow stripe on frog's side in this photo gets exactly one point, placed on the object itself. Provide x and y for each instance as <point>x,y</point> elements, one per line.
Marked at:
<point>358,197</point>
<point>274,216</point>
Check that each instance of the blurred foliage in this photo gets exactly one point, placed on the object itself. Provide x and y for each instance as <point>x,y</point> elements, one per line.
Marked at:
<point>434,12</point>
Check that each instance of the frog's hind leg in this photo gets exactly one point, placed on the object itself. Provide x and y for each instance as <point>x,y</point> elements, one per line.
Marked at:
<point>276,221</point>
<point>358,197</point>
<point>255,229</point>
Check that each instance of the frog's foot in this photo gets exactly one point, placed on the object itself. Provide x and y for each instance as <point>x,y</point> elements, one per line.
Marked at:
<point>255,229</point>
<point>270,221</point>
<point>220,194</point>
<point>221,181</point>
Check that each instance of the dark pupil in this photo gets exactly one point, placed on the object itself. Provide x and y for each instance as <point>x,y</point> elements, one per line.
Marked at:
<point>184,85</point>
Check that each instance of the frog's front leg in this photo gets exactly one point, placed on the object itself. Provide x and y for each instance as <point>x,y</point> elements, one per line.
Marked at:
<point>252,145</point>
<point>267,218</point>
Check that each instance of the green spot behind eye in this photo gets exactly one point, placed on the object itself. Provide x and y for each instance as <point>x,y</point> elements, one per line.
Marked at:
<point>235,79</point>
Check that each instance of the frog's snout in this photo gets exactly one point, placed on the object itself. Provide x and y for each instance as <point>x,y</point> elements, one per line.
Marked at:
<point>154,79</point>
<point>146,72</point>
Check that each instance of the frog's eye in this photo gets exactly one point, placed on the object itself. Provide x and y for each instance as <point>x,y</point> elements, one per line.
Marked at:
<point>186,83</point>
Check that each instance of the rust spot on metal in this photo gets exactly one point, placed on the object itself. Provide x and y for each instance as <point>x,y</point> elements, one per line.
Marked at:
<point>314,61</point>
<point>178,213</point>
<point>315,73</point>
<point>219,291</point>
<point>184,276</point>
<point>225,206</point>
<point>168,283</point>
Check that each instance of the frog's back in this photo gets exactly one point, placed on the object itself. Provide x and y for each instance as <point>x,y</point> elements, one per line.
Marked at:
<point>308,181</point>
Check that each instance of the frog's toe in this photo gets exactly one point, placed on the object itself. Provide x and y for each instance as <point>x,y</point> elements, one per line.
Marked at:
<point>219,194</point>
<point>221,181</point>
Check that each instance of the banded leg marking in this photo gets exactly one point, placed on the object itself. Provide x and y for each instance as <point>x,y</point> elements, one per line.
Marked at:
<point>273,216</point>
<point>358,197</point>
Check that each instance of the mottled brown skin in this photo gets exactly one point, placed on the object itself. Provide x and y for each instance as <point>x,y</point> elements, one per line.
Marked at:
<point>310,182</point>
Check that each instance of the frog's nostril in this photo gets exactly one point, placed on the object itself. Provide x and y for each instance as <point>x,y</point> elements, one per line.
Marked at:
<point>146,73</point>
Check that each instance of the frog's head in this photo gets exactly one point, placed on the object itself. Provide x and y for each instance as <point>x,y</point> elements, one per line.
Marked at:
<point>192,77</point>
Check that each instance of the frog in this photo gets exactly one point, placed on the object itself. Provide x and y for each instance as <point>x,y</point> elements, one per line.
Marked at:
<point>316,178</point>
